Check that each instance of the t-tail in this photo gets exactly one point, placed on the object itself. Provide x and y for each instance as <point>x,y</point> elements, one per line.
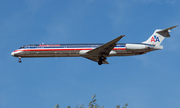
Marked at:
<point>158,36</point>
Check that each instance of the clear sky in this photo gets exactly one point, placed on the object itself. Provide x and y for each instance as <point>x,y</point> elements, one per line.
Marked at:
<point>145,81</point>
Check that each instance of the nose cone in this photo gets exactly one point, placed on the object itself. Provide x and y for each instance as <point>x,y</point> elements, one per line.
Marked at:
<point>16,53</point>
<point>12,53</point>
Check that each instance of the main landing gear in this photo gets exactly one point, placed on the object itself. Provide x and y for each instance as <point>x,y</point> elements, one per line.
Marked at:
<point>101,59</point>
<point>19,59</point>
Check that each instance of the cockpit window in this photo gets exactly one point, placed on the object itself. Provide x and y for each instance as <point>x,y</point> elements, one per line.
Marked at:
<point>21,47</point>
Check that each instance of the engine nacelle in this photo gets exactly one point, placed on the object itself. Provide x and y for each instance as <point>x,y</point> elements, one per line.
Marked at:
<point>112,53</point>
<point>136,47</point>
<point>83,52</point>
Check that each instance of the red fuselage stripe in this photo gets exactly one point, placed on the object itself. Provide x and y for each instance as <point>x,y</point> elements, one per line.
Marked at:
<point>75,49</point>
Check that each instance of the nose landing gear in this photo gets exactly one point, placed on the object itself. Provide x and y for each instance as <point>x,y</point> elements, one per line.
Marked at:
<point>19,60</point>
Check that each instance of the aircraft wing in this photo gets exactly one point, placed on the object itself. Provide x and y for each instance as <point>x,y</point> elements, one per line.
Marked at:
<point>104,50</point>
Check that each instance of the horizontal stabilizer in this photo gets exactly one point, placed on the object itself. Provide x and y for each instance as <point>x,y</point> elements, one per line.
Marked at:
<point>166,31</point>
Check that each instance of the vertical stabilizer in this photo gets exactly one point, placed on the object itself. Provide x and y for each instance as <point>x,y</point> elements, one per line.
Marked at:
<point>158,36</point>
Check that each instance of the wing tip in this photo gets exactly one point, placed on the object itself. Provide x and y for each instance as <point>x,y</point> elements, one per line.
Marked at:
<point>173,27</point>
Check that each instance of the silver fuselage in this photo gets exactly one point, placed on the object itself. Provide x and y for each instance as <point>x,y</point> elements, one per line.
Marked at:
<point>75,50</point>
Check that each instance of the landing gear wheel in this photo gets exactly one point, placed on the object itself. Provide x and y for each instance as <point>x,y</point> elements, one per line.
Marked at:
<point>19,60</point>
<point>100,62</point>
<point>102,58</point>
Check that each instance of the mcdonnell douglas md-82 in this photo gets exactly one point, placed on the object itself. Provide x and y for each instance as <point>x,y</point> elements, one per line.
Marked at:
<point>94,52</point>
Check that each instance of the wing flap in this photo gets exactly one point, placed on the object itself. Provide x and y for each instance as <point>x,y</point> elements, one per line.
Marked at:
<point>96,59</point>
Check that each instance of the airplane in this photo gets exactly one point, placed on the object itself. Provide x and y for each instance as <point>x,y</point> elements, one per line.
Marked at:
<point>94,52</point>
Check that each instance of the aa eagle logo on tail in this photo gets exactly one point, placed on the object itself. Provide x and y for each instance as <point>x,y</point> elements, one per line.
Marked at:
<point>155,39</point>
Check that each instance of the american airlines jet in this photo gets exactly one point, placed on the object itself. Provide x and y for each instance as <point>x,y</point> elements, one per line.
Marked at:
<point>94,52</point>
